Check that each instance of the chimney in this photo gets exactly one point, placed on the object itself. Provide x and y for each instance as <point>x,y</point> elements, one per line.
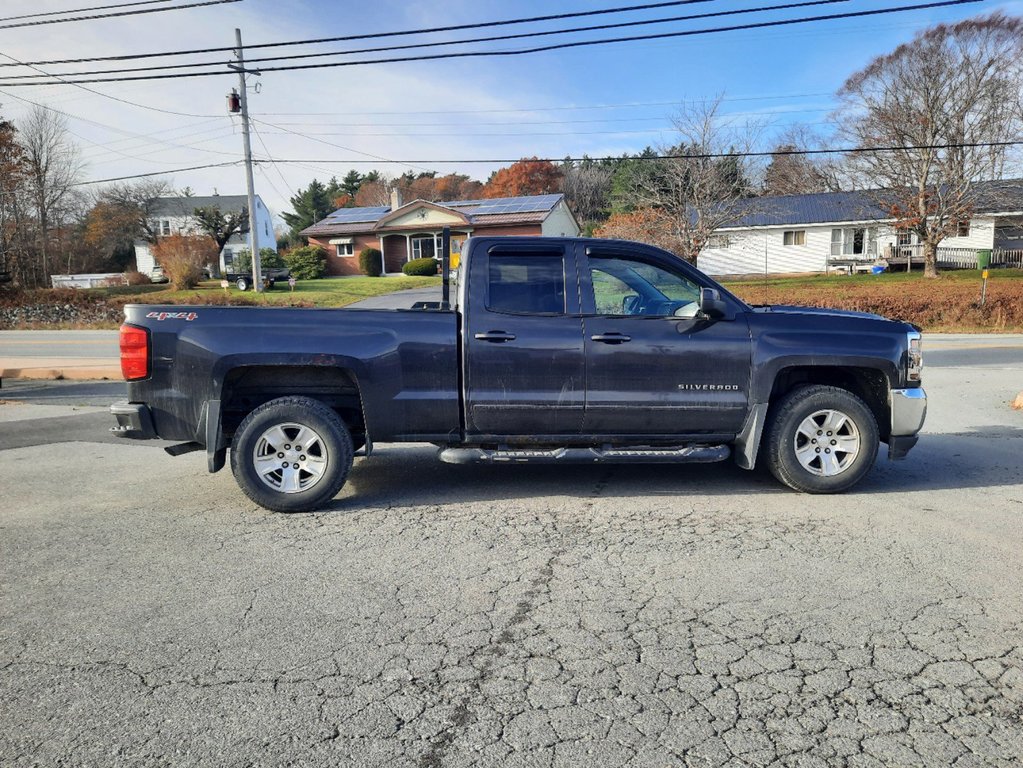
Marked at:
<point>395,198</point>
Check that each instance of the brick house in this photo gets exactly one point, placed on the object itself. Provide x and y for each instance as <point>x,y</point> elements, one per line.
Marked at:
<point>413,230</point>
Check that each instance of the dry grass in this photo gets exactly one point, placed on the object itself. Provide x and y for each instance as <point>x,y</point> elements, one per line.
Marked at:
<point>950,303</point>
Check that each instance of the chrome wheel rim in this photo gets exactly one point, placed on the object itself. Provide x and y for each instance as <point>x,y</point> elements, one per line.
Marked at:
<point>290,458</point>
<point>827,443</point>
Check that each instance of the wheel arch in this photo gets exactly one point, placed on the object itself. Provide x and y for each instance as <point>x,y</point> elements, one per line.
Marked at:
<point>246,387</point>
<point>871,385</point>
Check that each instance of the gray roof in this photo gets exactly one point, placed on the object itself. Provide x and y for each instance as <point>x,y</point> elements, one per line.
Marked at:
<point>501,210</point>
<point>185,206</point>
<point>826,207</point>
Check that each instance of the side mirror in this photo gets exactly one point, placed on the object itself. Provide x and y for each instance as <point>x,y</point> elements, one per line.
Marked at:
<point>631,304</point>
<point>711,304</point>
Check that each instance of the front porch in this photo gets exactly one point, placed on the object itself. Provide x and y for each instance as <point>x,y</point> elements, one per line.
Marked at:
<point>399,248</point>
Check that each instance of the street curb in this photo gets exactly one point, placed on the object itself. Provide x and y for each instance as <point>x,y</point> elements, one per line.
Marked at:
<point>91,373</point>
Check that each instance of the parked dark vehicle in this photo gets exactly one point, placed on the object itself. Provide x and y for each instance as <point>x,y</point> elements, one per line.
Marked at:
<point>556,350</point>
<point>271,276</point>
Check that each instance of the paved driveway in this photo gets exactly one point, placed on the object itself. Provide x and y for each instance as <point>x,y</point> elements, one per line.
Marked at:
<point>444,615</point>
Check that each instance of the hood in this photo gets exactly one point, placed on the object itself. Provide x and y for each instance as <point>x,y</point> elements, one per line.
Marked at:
<point>791,310</point>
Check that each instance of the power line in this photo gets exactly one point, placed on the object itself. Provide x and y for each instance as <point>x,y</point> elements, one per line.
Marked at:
<point>695,156</point>
<point>82,10</point>
<point>156,173</point>
<point>375,35</point>
<point>444,43</point>
<point>537,49</point>
<point>493,161</point>
<point>115,14</point>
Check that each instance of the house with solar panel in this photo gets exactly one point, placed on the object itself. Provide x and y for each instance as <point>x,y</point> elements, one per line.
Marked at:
<point>413,230</point>
<point>853,231</point>
<point>175,216</point>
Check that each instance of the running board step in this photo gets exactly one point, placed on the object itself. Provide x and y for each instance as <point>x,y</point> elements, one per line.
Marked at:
<point>691,454</point>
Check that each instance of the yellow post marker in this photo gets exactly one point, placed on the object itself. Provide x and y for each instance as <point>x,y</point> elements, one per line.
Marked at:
<point>983,287</point>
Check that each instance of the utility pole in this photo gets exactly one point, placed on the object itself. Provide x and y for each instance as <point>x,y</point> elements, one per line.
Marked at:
<point>257,282</point>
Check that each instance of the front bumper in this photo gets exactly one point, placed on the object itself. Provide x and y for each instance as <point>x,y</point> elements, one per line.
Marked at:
<point>909,409</point>
<point>134,421</point>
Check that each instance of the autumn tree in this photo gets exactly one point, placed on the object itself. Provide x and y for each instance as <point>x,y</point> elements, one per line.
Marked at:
<point>529,176</point>
<point>700,183</point>
<point>120,215</point>
<point>644,225</point>
<point>15,243</point>
<point>183,258</point>
<point>220,226</point>
<point>940,101</point>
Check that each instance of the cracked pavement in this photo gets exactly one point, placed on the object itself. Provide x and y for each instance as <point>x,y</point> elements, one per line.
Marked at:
<point>441,616</point>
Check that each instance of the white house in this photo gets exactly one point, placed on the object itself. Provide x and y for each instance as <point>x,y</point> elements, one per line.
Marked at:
<point>175,216</point>
<point>818,232</point>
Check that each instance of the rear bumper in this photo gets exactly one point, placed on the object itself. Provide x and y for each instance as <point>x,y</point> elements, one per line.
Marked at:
<point>909,409</point>
<point>134,421</point>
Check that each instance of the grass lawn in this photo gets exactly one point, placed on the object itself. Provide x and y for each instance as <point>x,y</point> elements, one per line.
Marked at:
<point>319,293</point>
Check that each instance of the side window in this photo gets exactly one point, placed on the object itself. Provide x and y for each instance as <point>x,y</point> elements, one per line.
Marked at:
<point>625,285</point>
<point>527,284</point>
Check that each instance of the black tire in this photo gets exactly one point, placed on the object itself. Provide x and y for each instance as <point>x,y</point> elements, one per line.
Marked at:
<point>243,284</point>
<point>317,473</point>
<point>842,455</point>
<point>269,285</point>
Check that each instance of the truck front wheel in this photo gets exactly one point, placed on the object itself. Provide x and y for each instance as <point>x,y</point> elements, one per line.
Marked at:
<point>292,454</point>
<point>821,439</point>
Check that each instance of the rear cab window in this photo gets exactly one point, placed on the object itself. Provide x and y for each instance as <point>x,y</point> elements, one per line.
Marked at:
<point>526,283</point>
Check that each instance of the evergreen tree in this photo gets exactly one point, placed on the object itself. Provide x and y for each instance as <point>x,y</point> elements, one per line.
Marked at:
<point>310,205</point>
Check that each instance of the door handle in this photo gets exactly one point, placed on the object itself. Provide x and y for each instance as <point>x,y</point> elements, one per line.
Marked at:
<point>611,338</point>
<point>497,337</point>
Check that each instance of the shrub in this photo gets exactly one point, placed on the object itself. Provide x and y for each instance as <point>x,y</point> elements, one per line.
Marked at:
<point>421,267</point>
<point>371,262</point>
<point>183,258</point>
<point>306,263</point>
<point>268,259</point>
<point>134,277</point>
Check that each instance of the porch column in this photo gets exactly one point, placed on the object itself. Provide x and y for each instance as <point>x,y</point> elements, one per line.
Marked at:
<point>408,248</point>
<point>436,245</point>
<point>383,256</point>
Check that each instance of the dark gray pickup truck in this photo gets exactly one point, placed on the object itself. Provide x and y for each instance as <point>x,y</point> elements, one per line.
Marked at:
<point>552,350</point>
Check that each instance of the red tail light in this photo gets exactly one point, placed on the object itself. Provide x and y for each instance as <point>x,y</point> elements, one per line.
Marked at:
<point>134,352</point>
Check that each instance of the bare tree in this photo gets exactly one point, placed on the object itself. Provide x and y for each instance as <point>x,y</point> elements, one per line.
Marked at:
<point>587,188</point>
<point>137,199</point>
<point>791,173</point>
<point>55,165</point>
<point>935,99</point>
<point>702,182</point>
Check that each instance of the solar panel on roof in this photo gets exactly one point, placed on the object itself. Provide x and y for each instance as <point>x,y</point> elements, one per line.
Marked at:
<point>355,215</point>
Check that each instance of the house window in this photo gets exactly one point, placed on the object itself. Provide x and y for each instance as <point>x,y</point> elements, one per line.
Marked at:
<point>345,249</point>
<point>905,239</point>
<point>423,247</point>
<point>795,237</point>
<point>963,230</point>
<point>855,241</point>
<point>718,241</point>
<point>165,227</point>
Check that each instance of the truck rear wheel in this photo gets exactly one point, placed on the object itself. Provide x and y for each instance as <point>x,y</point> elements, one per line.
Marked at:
<point>821,439</point>
<point>292,454</point>
<point>243,284</point>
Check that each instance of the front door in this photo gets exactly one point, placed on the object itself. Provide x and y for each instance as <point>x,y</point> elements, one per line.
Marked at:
<point>523,344</point>
<point>656,367</point>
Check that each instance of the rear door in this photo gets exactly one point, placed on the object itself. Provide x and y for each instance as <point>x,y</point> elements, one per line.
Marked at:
<point>654,366</point>
<point>525,371</point>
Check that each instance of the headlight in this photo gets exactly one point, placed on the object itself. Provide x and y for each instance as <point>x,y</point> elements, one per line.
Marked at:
<point>914,357</point>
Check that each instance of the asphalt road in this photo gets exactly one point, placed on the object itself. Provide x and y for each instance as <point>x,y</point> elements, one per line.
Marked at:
<point>444,615</point>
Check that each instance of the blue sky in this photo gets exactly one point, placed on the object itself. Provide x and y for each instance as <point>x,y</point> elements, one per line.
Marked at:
<point>597,100</point>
